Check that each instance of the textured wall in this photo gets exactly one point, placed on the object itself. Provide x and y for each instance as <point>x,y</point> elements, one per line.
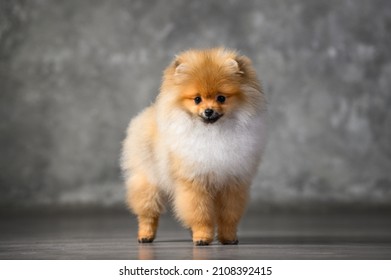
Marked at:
<point>72,74</point>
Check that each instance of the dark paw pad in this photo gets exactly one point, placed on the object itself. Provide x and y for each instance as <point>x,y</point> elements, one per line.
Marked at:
<point>145,240</point>
<point>230,242</point>
<point>201,243</point>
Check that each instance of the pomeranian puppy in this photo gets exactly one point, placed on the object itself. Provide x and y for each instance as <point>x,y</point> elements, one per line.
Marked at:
<point>199,145</point>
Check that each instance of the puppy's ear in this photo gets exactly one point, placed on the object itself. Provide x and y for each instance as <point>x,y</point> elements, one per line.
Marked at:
<point>233,66</point>
<point>245,66</point>
<point>180,69</point>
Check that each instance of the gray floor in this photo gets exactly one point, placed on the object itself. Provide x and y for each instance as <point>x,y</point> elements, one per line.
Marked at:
<point>265,236</point>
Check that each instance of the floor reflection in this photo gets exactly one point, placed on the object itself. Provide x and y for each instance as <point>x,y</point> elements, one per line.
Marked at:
<point>146,251</point>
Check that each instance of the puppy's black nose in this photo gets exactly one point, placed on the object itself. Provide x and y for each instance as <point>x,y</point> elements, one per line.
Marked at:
<point>208,112</point>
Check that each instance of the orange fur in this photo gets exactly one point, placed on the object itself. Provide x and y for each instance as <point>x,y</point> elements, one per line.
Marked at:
<point>204,163</point>
<point>145,201</point>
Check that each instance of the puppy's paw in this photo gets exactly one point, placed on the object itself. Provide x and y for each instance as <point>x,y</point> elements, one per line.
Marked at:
<point>202,238</point>
<point>227,236</point>
<point>229,242</point>
<point>146,235</point>
<point>145,239</point>
<point>201,242</point>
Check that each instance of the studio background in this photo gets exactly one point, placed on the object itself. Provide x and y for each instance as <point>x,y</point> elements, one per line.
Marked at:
<point>73,73</point>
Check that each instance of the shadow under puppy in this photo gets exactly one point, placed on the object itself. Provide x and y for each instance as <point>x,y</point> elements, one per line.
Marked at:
<point>200,144</point>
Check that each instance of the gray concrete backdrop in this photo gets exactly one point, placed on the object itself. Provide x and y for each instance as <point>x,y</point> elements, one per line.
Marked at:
<point>72,74</point>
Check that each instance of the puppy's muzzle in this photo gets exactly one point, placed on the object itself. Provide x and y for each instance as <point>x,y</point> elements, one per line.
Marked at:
<point>210,116</point>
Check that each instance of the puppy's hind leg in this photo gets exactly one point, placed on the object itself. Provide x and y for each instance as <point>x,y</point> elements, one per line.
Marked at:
<point>145,200</point>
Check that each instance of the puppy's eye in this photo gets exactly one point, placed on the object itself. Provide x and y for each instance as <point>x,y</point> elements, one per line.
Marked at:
<point>221,99</point>
<point>197,100</point>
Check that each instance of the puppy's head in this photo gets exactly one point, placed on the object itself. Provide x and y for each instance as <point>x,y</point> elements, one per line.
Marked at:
<point>211,84</point>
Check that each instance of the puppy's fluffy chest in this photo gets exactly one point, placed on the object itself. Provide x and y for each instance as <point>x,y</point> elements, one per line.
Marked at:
<point>225,149</point>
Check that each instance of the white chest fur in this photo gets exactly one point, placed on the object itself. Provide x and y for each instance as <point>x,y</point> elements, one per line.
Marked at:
<point>226,148</point>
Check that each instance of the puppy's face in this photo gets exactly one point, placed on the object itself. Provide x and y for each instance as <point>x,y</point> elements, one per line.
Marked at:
<point>208,84</point>
<point>209,104</point>
<point>211,85</point>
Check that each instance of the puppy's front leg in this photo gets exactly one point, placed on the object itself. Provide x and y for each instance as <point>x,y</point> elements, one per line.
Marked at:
<point>230,205</point>
<point>195,208</point>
